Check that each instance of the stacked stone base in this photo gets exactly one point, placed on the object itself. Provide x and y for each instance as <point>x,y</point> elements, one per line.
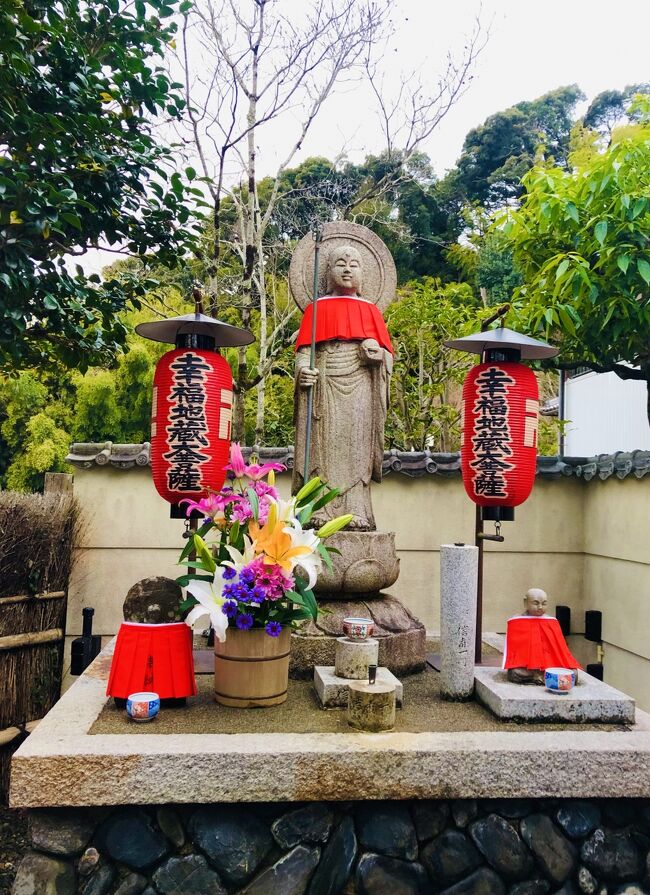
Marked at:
<point>402,638</point>
<point>468,847</point>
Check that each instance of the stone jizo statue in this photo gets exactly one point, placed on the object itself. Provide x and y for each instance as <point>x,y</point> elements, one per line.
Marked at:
<point>351,379</point>
<point>534,642</point>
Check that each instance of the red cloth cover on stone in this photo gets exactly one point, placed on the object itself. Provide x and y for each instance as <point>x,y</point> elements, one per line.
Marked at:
<point>534,642</point>
<point>344,317</point>
<point>155,658</point>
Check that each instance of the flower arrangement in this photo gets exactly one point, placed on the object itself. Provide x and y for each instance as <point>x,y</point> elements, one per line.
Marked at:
<point>252,563</point>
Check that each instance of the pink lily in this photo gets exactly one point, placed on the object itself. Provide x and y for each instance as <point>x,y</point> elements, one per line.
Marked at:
<point>255,471</point>
<point>213,505</point>
<point>237,464</point>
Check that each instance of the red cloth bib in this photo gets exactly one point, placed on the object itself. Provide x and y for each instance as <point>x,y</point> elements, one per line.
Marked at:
<point>155,658</point>
<point>533,642</point>
<point>344,317</point>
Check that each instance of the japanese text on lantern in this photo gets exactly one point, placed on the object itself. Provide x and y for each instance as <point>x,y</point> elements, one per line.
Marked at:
<point>491,437</point>
<point>187,429</point>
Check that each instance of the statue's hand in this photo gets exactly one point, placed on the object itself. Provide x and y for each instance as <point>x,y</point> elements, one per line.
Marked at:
<point>307,377</point>
<point>372,352</point>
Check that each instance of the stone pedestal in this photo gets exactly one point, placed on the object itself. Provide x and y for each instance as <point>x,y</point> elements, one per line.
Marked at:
<point>401,637</point>
<point>590,702</point>
<point>458,579</point>
<point>354,656</point>
<point>367,564</point>
<point>371,707</point>
<point>332,690</point>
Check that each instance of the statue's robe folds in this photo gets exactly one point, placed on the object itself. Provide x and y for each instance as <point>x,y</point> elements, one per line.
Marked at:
<point>349,404</point>
<point>536,642</point>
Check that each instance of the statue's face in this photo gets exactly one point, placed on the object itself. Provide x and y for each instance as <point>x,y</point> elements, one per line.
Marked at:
<point>344,271</point>
<point>536,602</point>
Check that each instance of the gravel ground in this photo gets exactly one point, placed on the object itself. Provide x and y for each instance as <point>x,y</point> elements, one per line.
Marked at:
<point>13,842</point>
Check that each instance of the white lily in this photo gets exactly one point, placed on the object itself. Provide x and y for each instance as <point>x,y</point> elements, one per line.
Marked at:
<point>210,603</point>
<point>312,563</point>
<point>238,559</point>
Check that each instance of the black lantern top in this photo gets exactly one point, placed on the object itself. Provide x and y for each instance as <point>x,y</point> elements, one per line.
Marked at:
<point>195,331</point>
<point>503,342</point>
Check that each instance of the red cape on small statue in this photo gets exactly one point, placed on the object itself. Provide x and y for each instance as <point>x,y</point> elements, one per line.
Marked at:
<point>536,642</point>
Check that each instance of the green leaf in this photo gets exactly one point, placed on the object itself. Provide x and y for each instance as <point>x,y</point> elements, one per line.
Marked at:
<point>190,173</point>
<point>195,564</point>
<point>638,207</point>
<point>623,262</point>
<point>600,231</point>
<point>325,499</point>
<point>562,268</point>
<point>644,269</point>
<point>254,502</point>
<point>572,212</point>
<point>204,553</point>
<point>327,559</point>
<point>184,580</point>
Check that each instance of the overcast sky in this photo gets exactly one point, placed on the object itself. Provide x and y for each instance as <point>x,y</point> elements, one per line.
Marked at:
<point>532,48</point>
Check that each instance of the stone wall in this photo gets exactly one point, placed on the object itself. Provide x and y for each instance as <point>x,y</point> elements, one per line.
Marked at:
<point>469,847</point>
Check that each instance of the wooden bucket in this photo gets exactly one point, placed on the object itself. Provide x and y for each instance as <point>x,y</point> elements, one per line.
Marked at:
<point>251,668</point>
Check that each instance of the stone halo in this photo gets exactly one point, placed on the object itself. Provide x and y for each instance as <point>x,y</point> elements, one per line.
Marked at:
<point>379,274</point>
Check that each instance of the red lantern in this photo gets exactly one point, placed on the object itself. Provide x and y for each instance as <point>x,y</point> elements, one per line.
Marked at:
<point>499,437</point>
<point>190,425</point>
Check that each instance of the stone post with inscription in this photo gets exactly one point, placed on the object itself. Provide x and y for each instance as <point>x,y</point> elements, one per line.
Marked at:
<point>458,579</point>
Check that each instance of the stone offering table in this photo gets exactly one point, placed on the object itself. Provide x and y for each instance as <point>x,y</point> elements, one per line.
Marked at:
<point>63,763</point>
<point>212,813</point>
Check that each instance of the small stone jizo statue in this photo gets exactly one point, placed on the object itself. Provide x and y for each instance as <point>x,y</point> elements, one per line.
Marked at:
<point>534,642</point>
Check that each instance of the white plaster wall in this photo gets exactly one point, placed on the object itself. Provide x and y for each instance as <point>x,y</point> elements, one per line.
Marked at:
<point>129,536</point>
<point>606,414</point>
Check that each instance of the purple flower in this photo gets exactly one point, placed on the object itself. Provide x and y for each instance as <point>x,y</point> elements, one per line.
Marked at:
<point>240,592</point>
<point>273,629</point>
<point>230,608</point>
<point>228,573</point>
<point>258,594</point>
<point>247,576</point>
<point>229,591</point>
<point>244,621</point>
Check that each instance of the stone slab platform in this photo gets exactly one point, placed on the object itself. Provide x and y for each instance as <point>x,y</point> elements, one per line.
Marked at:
<point>591,701</point>
<point>332,690</point>
<point>62,764</point>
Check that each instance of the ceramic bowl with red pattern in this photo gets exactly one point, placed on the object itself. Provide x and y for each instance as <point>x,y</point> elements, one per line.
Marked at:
<point>358,628</point>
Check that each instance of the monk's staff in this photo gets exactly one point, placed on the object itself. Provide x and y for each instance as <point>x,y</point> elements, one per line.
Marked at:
<point>317,233</point>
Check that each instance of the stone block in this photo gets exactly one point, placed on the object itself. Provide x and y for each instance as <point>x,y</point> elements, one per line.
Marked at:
<point>590,702</point>
<point>353,657</point>
<point>332,690</point>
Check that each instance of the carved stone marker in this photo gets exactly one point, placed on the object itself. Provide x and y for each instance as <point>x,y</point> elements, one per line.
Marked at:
<point>371,707</point>
<point>458,579</point>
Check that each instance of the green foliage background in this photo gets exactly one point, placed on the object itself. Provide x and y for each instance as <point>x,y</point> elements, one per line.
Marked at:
<point>573,254</point>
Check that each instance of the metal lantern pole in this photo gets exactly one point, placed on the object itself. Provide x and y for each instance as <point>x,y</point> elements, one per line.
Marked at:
<point>317,233</point>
